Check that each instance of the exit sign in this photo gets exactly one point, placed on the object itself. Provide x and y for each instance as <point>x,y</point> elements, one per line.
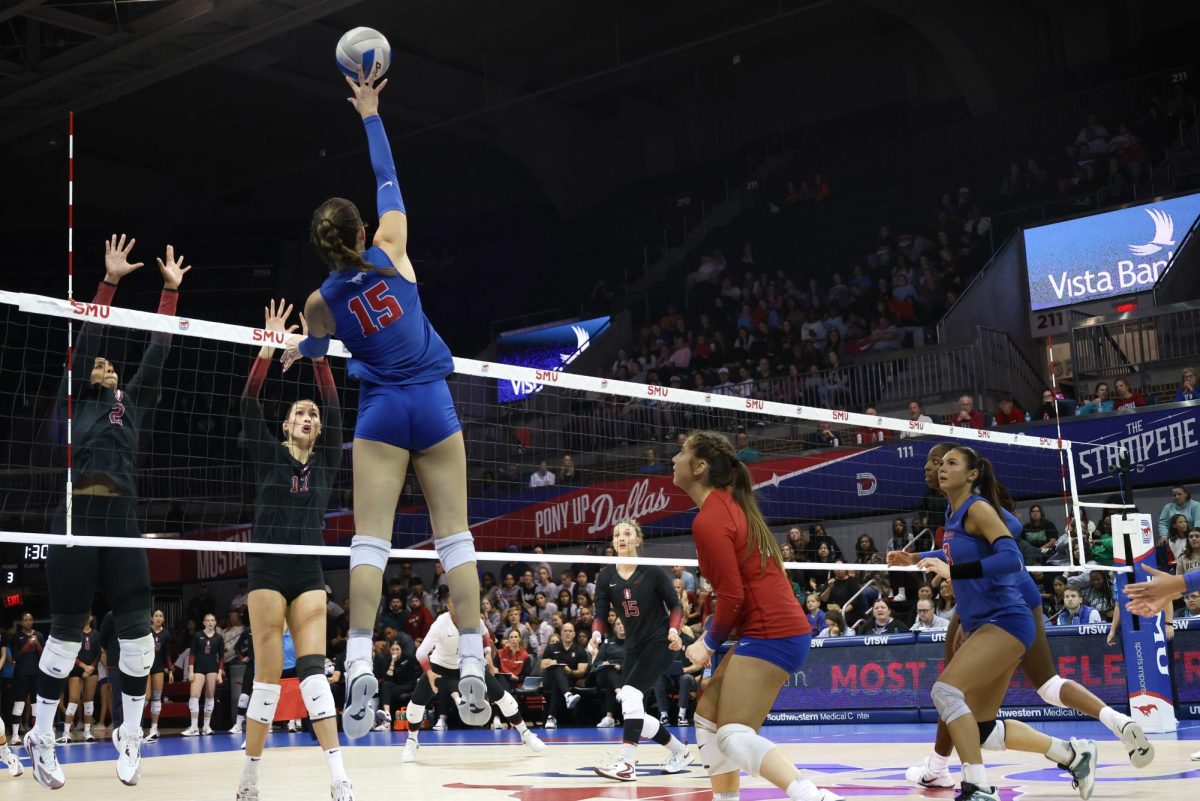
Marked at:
<point>12,600</point>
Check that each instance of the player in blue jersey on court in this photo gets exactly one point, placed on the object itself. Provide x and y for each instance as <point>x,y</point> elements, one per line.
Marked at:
<point>370,302</point>
<point>983,560</point>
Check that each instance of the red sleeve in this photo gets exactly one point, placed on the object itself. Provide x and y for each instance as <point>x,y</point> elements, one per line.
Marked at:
<point>676,618</point>
<point>258,374</point>
<point>717,555</point>
<point>167,301</point>
<point>324,377</point>
<point>598,626</point>
<point>104,293</point>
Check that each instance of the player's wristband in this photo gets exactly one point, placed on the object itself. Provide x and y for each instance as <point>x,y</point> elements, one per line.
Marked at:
<point>314,347</point>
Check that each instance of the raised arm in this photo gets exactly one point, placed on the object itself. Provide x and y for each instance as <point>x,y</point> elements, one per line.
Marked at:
<point>392,234</point>
<point>149,374</point>
<point>258,437</point>
<point>87,345</point>
<point>331,416</point>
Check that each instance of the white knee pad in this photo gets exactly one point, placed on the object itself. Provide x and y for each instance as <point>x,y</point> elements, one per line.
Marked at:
<point>711,756</point>
<point>71,710</point>
<point>58,658</point>
<point>89,707</point>
<point>414,714</point>
<point>744,747</point>
<point>193,705</point>
<point>650,726</point>
<point>1051,691</point>
<point>368,550</point>
<point>318,698</point>
<point>995,739</point>
<point>508,705</point>
<point>209,703</point>
<point>632,702</point>
<point>950,702</point>
<point>263,701</point>
<point>156,706</point>
<point>456,550</point>
<point>18,708</point>
<point>137,656</point>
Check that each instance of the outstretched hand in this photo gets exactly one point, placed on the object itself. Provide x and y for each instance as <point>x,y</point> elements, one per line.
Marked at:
<point>366,93</point>
<point>935,566</point>
<point>902,558</point>
<point>291,352</point>
<point>172,269</point>
<point>116,258</point>
<point>1148,598</point>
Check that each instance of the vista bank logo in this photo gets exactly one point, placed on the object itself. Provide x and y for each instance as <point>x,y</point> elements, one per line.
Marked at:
<point>1164,231</point>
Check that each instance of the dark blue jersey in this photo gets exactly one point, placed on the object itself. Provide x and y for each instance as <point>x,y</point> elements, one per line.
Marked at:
<point>380,321</point>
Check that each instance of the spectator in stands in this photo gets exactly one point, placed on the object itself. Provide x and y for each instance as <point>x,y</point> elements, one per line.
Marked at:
<point>916,414</point>
<point>746,453</point>
<point>835,625</point>
<point>1009,413</point>
<point>799,540</point>
<point>689,601</point>
<point>681,678</point>
<point>1075,612</point>
<point>823,437</point>
<point>865,550</point>
<point>880,620</point>
<point>1039,532</point>
<point>1181,503</point>
<point>926,619</point>
<point>397,673</point>
<point>812,607</point>
<point>564,665</point>
<point>545,583</point>
<point>686,576</point>
<point>968,416</point>
<point>568,475</point>
<point>394,615</point>
<point>945,600</point>
<point>1098,594</point>
<point>1102,402</point>
<point>1187,386</point>
<point>1191,609</point>
<point>544,608</point>
<point>1189,558</point>
<point>419,618</point>
<point>818,535</point>
<point>491,616</point>
<point>1176,540</point>
<point>605,672</point>
<point>1052,407</point>
<point>583,584</point>
<point>512,662</point>
<point>1126,397</point>
<point>542,477</point>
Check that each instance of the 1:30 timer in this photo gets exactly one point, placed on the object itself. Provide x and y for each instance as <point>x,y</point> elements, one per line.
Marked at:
<point>36,552</point>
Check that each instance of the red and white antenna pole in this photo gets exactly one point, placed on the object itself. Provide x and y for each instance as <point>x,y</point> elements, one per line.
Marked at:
<point>70,296</point>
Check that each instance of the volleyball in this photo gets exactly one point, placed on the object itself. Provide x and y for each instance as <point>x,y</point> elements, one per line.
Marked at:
<point>365,47</point>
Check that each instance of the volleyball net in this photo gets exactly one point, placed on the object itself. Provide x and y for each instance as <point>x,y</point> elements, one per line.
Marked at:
<point>556,469</point>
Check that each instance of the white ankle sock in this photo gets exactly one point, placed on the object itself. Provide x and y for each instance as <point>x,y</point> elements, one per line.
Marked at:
<point>337,771</point>
<point>938,763</point>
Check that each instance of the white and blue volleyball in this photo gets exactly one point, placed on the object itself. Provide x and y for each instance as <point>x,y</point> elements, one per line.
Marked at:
<point>365,47</point>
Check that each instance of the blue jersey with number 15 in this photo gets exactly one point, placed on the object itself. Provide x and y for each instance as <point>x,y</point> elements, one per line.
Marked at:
<point>380,321</point>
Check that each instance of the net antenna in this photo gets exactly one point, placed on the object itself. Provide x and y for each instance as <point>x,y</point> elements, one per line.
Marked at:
<point>70,297</point>
<point>1068,512</point>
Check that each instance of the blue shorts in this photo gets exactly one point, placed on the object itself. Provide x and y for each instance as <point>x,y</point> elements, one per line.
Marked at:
<point>1018,623</point>
<point>410,416</point>
<point>787,653</point>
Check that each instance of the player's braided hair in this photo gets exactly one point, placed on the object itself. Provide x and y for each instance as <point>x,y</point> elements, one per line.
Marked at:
<point>726,471</point>
<point>335,227</point>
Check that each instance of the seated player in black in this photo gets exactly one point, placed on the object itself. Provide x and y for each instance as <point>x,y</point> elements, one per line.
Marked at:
<point>81,685</point>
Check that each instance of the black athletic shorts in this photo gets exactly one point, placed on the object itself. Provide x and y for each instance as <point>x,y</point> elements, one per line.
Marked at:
<point>290,576</point>
<point>645,665</point>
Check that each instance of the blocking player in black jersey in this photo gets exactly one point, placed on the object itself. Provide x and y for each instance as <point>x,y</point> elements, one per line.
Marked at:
<point>160,670</point>
<point>294,479</point>
<point>106,422</point>
<point>27,648</point>
<point>81,685</point>
<point>205,670</point>
<point>645,601</point>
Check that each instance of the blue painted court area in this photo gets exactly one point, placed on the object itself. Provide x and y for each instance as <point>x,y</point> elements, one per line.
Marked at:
<point>174,745</point>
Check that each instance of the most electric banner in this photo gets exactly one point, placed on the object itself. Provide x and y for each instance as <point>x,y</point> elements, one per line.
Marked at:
<point>1103,255</point>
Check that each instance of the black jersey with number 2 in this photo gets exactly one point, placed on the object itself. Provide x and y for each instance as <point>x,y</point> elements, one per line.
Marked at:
<point>644,602</point>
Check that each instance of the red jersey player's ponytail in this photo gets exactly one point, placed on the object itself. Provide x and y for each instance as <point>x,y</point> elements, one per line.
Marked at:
<point>726,471</point>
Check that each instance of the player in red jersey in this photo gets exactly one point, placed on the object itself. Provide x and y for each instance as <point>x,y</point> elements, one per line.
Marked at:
<point>739,555</point>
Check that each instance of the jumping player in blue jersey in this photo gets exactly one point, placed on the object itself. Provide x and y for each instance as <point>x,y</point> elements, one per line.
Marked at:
<point>1038,663</point>
<point>983,560</point>
<point>370,302</point>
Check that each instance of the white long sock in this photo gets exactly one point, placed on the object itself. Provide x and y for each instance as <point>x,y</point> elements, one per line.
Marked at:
<point>250,769</point>
<point>358,647</point>
<point>938,763</point>
<point>1113,720</point>
<point>132,707</point>
<point>1060,752</point>
<point>975,774</point>
<point>43,710</point>
<point>337,771</point>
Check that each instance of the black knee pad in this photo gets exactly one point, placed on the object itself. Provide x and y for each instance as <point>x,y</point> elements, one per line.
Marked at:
<point>310,665</point>
<point>132,625</point>
<point>69,628</point>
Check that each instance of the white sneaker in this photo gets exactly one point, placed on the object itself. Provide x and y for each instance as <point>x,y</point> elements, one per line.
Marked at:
<point>291,727</point>
<point>361,686</point>
<point>677,762</point>
<point>13,763</point>
<point>571,699</point>
<point>383,726</point>
<point>236,728</point>
<point>828,795</point>
<point>1196,757</point>
<point>46,770</point>
<point>129,755</point>
<point>190,731</point>
<point>342,791</point>
<point>207,730</point>
<point>1140,750</point>
<point>551,723</point>
<point>533,741</point>
<point>900,596</point>
<point>64,738</point>
<point>1083,767</point>
<point>922,776</point>
<point>410,750</point>
<point>619,769</point>
<point>247,792</point>
<point>242,747</point>
<point>474,707</point>
<point>682,721</point>
<point>497,723</point>
<point>152,737</point>
<point>440,725</point>
<point>87,736</point>
<point>606,722</point>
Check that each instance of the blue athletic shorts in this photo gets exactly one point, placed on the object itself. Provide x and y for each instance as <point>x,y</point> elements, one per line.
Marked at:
<point>1018,623</point>
<point>788,653</point>
<point>410,416</point>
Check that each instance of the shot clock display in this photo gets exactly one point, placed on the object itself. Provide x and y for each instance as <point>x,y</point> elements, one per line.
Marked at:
<point>23,565</point>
